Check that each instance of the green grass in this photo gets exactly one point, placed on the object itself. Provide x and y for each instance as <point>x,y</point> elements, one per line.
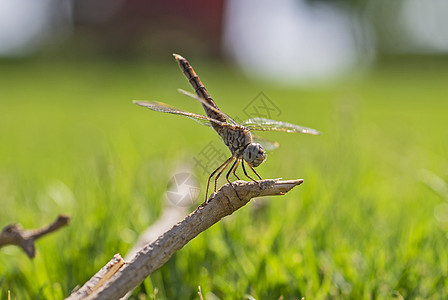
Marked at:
<point>362,226</point>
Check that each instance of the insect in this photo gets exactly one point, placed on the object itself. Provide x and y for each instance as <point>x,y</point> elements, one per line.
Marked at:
<point>238,137</point>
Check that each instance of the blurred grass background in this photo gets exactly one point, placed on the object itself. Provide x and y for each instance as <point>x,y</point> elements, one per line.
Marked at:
<point>362,226</point>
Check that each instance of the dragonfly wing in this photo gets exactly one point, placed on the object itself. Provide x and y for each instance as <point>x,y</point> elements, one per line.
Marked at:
<point>262,124</point>
<point>267,144</point>
<point>162,107</point>
<point>229,119</point>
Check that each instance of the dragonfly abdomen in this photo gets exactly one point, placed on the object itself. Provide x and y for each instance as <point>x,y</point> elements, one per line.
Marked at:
<point>200,89</point>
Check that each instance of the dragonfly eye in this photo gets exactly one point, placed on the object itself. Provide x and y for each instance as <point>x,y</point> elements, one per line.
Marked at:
<point>254,154</point>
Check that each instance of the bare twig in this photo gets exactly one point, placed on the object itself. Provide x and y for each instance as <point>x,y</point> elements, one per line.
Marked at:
<point>14,234</point>
<point>104,274</point>
<point>171,215</point>
<point>151,257</point>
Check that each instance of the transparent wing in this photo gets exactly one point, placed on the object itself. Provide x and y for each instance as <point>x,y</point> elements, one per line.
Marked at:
<point>262,124</point>
<point>267,144</point>
<point>162,107</point>
<point>229,119</point>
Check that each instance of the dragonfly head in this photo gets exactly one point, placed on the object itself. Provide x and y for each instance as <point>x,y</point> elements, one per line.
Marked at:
<point>254,154</point>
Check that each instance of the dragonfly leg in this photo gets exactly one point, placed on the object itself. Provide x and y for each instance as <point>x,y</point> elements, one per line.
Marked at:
<point>253,170</point>
<point>227,177</point>
<point>245,173</point>
<point>222,170</point>
<point>236,167</point>
<point>226,163</point>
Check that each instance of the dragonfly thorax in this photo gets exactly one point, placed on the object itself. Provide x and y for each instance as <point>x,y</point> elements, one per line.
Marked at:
<point>254,154</point>
<point>236,138</point>
<point>239,141</point>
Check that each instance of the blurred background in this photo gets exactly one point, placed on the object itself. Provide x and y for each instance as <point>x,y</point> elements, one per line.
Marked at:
<point>370,220</point>
<point>291,41</point>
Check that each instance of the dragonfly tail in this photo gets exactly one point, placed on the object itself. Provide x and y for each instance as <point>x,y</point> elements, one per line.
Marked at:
<point>199,88</point>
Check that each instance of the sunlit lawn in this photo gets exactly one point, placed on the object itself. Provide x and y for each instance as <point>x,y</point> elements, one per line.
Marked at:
<point>363,225</point>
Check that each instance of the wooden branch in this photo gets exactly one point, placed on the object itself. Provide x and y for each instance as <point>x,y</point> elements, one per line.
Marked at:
<point>170,215</point>
<point>151,257</point>
<point>102,276</point>
<point>15,235</point>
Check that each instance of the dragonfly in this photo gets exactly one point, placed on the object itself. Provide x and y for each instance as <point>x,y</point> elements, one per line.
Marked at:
<point>245,147</point>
